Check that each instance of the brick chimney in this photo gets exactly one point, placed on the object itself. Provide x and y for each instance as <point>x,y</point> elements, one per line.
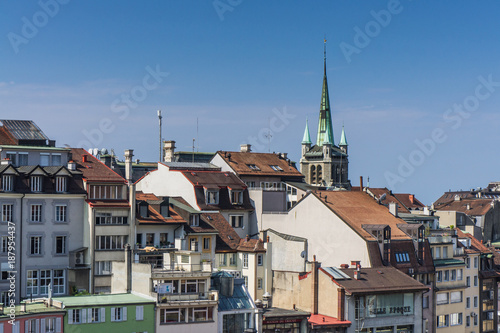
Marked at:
<point>314,289</point>
<point>412,198</point>
<point>168,151</point>
<point>341,304</point>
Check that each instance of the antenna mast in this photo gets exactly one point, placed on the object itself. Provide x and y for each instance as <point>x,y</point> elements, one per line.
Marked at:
<point>269,136</point>
<point>159,119</point>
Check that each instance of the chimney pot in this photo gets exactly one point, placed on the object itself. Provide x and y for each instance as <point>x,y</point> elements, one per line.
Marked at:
<point>361,183</point>
<point>245,148</point>
<point>168,151</point>
<point>84,158</point>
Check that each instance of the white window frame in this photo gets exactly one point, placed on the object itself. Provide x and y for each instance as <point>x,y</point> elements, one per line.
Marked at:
<point>236,197</point>
<point>61,213</point>
<point>119,314</point>
<point>61,184</point>
<point>36,183</point>
<point>103,267</point>
<point>35,245</point>
<point>7,212</point>
<point>260,283</point>
<point>212,197</point>
<point>7,183</point>
<point>36,213</point>
<point>195,220</point>
<point>260,259</point>
<point>237,221</point>
<point>245,260</point>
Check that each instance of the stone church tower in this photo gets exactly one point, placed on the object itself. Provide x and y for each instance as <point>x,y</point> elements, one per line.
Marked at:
<point>325,164</point>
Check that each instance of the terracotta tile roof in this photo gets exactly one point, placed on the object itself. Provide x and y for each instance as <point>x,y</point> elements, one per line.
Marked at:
<point>450,196</point>
<point>408,247</point>
<point>379,280</point>
<point>389,198</point>
<point>6,138</point>
<point>94,170</point>
<point>359,208</point>
<point>154,216</point>
<point>227,240</point>
<point>322,320</point>
<point>476,245</point>
<point>251,245</point>
<point>409,200</point>
<point>240,162</point>
<point>108,203</point>
<point>472,207</point>
<point>204,227</point>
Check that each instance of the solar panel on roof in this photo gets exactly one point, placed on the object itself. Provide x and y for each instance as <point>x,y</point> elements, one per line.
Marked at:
<point>24,129</point>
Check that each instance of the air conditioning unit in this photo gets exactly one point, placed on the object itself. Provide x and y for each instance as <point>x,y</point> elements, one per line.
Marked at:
<point>79,258</point>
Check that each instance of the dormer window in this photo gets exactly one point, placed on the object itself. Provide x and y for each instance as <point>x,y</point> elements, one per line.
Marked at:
<point>7,183</point>
<point>236,197</point>
<point>276,168</point>
<point>143,209</point>
<point>195,220</point>
<point>61,184</point>
<point>212,197</point>
<point>36,183</point>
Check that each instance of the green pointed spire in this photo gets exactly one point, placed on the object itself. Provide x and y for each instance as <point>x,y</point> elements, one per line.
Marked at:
<point>328,139</point>
<point>343,140</point>
<point>307,138</point>
<point>325,116</point>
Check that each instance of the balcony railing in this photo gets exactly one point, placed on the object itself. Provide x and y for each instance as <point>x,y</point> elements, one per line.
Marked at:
<point>179,267</point>
<point>187,297</point>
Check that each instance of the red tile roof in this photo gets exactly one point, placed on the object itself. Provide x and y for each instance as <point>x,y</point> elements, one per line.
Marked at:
<point>389,198</point>
<point>240,162</point>
<point>154,217</point>
<point>251,245</point>
<point>472,207</point>
<point>409,200</point>
<point>476,245</point>
<point>322,320</point>
<point>359,208</point>
<point>227,239</point>
<point>94,170</point>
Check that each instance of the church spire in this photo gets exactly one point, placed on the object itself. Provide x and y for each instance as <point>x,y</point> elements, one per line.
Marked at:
<point>343,140</point>
<point>325,129</point>
<point>307,138</point>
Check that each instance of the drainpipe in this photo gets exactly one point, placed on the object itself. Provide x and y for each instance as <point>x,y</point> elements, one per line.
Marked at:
<point>21,273</point>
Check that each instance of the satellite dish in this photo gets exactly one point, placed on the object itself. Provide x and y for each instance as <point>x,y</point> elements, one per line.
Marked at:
<point>104,151</point>
<point>303,254</point>
<point>383,196</point>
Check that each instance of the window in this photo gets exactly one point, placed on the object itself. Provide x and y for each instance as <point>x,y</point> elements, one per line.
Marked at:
<point>32,282</point>
<point>475,262</point>
<point>437,253</point>
<point>7,183</point>
<point>150,239</point>
<point>61,184</point>
<point>97,315</point>
<point>30,325</point>
<point>200,314</point>
<point>445,251</point>
<point>107,218</point>
<point>58,281</point>
<point>259,283</point>
<point>475,320</point>
<point>105,192</point>
<point>195,220</point>
<point>36,213</point>
<point>163,238</point>
<point>7,213</point>
<point>475,280</point>
<point>222,259</point>
<point>12,157</point>
<point>45,280</point>
<point>455,319</point>
<point>456,297</point>
<point>446,275</point>
<point>245,260</point>
<point>194,244</point>
<point>35,245</point>
<point>442,298</point>
<point>453,275</point>
<point>425,302</point>
<point>172,316</point>
<point>236,197</point>
<point>50,325</point>
<point>206,243</point>
<point>467,303</point>
<point>253,167</point>
<point>103,267</point>
<point>439,276</point>
<point>110,242</point>
<point>250,184</point>
<point>475,301</point>
<point>236,221</point>
<point>442,321</point>
<point>36,183</point>
<point>119,314</point>
<point>75,316</point>
<point>467,321</point>
<point>276,168</point>
<point>139,312</point>
<point>56,159</point>
<point>23,159</point>
<point>246,281</point>
<point>467,262</point>
<point>233,258</point>
<point>60,213</point>
<point>467,279</point>
<point>60,244</point>
<point>44,159</point>
<point>5,244</point>
<point>402,257</point>
<point>212,197</point>
<point>459,274</point>
<point>260,260</point>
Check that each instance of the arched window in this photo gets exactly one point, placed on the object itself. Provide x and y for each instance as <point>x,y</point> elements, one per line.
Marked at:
<point>313,174</point>
<point>319,174</point>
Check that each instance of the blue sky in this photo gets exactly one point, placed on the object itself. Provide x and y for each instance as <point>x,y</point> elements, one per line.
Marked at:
<point>83,73</point>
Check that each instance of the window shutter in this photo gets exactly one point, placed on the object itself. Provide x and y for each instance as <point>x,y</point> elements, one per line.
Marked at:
<point>83,316</point>
<point>139,310</point>
<point>124,313</point>
<point>89,316</point>
<point>26,326</point>
<point>16,328</point>
<point>103,315</point>
<point>37,326</point>
<point>42,324</point>
<point>70,316</point>
<point>1,327</point>
<point>112,314</point>
<point>58,325</point>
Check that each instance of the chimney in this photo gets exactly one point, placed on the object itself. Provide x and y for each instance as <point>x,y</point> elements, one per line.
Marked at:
<point>128,267</point>
<point>245,148</point>
<point>71,165</point>
<point>341,304</point>
<point>129,153</point>
<point>106,159</point>
<point>356,275</point>
<point>344,266</point>
<point>393,208</point>
<point>6,161</point>
<point>247,238</point>
<point>314,291</point>
<point>168,151</point>
<point>84,158</point>
<point>361,183</point>
<point>412,198</point>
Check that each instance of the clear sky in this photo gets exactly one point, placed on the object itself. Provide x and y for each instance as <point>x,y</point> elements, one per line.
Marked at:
<point>415,83</point>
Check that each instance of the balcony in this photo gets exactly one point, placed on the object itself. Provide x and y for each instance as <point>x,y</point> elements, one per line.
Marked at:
<point>209,297</point>
<point>183,263</point>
